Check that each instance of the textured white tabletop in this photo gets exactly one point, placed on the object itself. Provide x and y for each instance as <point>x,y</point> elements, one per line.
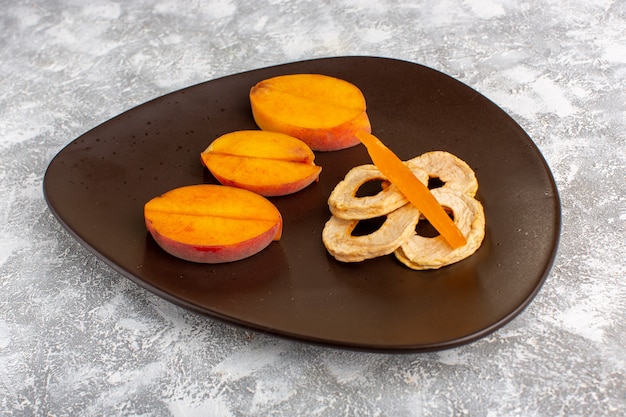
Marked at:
<point>79,339</point>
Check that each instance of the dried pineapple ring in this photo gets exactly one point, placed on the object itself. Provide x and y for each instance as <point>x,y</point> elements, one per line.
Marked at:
<point>455,173</point>
<point>431,253</point>
<point>344,203</point>
<point>397,228</point>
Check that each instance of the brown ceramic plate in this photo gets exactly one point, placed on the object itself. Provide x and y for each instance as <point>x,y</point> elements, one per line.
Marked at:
<point>98,184</point>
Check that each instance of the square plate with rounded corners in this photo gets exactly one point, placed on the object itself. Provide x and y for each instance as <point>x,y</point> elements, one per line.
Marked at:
<point>97,186</point>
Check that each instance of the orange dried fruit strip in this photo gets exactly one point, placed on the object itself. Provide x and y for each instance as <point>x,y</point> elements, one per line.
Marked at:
<point>417,193</point>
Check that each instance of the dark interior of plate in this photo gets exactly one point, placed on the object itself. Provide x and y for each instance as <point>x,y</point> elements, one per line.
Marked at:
<point>98,184</point>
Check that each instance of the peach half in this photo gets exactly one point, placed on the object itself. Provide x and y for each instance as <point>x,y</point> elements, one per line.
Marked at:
<point>268,163</point>
<point>209,223</point>
<point>324,112</point>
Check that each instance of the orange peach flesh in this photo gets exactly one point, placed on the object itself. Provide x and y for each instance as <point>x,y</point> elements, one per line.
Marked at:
<point>212,223</point>
<point>268,163</point>
<point>324,112</point>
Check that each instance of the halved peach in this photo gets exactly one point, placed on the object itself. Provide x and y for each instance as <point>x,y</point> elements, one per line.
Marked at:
<point>268,163</point>
<point>210,223</point>
<point>324,112</point>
